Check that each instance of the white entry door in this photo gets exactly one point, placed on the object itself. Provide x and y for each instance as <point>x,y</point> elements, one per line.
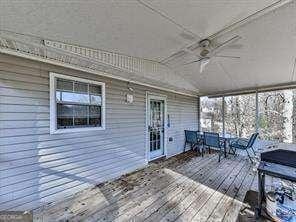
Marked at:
<point>156,126</point>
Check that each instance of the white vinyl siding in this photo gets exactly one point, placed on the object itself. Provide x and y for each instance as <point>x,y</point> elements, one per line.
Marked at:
<point>37,168</point>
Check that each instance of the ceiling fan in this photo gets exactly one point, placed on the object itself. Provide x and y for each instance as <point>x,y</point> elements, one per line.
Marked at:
<point>209,51</point>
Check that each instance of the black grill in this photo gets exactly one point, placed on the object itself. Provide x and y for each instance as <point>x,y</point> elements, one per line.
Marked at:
<point>283,157</point>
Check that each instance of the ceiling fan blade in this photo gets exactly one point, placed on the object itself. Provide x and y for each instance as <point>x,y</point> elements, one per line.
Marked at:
<point>235,46</point>
<point>226,43</point>
<point>193,62</point>
<point>203,64</point>
<point>226,56</point>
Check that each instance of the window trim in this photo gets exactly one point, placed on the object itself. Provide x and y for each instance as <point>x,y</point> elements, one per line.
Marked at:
<point>53,104</point>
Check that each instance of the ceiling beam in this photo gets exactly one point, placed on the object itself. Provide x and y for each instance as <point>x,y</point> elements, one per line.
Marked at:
<point>290,85</point>
<point>251,18</point>
<point>165,16</point>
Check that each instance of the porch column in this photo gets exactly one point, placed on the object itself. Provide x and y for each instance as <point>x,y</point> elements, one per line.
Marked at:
<point>223,117</point>
<point>257,112</point>
<point>198,113</point>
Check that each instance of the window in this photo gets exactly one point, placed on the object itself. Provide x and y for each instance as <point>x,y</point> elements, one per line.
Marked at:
<point>277,111</point>
<point>240,115</point>
<point>211,114</point>
<point>76,104</point>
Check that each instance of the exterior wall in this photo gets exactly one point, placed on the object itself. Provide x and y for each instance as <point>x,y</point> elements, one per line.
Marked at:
<point>38,168</point>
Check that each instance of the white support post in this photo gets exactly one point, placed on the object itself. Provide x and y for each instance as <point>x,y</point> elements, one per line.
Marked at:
<point>198,113</point>
<point>257,112</point>
<point>223,117</point>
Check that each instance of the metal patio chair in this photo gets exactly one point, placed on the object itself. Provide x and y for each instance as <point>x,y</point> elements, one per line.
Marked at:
<point>244,144</point>
<point>212,140</point>
<point>193,140</point>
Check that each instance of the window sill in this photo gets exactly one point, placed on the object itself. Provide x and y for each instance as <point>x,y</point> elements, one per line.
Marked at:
<point>76,130</point>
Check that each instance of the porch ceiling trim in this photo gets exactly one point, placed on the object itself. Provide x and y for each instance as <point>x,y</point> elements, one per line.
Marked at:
<point>289,85</point>
<point>124,62</point>
<point>103,63</point>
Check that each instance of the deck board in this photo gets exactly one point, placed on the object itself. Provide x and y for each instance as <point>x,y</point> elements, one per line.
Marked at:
<point>186,187</point>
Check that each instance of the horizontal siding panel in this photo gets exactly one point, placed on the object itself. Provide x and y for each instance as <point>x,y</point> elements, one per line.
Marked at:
<point>45,130</point>
<point>23,93</point>
<point>22,69</point>
<point>45,109</point>
<point>23,100</point>
<point>47,139</point>
<point>40,115</point>
<point>23,85</point>
<point>23,123</point>
<point>23,108</point>
<point>23,78</point>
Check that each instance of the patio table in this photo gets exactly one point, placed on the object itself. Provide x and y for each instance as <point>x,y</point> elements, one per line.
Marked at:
<point>224,139</point>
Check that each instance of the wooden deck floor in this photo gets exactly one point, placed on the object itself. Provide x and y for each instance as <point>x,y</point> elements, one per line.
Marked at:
<point>183,188</point>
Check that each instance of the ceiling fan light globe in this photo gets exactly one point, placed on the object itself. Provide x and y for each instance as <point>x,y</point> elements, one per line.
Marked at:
<point>204,52</point>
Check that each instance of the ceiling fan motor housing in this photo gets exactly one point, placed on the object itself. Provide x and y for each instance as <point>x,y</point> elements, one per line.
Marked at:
<point>204,44</point>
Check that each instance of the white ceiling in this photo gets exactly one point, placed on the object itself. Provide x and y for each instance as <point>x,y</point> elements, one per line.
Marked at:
<point>155,29</point>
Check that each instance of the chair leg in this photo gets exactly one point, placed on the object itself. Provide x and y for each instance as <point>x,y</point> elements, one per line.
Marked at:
<point>220,154</point>
<point>209,150</point>
<point>198,150</point>
<point>184,146</point>
<point>249,156</point>
<point>253,150</point>
<point>202,151</point>
<point>232,150</point>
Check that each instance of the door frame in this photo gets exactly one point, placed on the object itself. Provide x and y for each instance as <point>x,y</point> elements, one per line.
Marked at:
<point>163,98</point>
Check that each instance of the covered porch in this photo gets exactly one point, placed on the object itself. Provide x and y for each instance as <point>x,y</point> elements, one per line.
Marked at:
<point>95,98</point>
